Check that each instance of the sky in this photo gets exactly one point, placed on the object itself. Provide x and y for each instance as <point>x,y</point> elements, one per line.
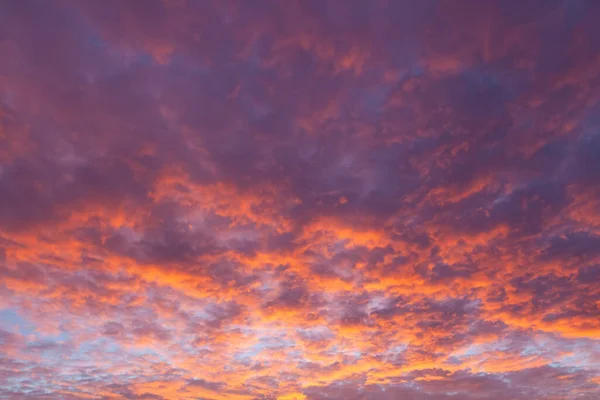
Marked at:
<point>299,200</point>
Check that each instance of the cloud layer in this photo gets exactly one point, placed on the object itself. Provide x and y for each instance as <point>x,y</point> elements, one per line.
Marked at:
<point>300,200</point>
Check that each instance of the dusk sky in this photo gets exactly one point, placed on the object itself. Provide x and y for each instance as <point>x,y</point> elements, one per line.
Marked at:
<point>300,200</point>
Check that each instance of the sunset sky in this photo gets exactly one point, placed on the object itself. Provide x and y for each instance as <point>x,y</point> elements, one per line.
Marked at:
<point>299,200</point>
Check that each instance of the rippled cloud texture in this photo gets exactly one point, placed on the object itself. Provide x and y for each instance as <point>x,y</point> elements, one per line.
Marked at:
<point>300,200</point>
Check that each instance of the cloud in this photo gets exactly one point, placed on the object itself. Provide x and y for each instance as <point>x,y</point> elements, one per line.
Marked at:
<point>299,200</point>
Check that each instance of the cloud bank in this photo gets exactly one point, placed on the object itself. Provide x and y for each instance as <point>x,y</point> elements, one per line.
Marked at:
<point>300,200</point>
